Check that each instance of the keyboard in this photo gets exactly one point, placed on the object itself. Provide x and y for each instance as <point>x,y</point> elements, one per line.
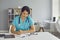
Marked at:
<point>9,36</point>
<point>2,35</point>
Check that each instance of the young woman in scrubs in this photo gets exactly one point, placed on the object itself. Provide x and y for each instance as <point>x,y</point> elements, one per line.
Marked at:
<point>23,23</point>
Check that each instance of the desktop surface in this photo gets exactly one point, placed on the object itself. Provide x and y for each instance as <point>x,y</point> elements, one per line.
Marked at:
<point>35,36</point>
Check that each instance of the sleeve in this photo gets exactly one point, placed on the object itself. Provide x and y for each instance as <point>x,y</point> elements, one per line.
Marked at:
<point>14,21</point>
<point>31,22</point>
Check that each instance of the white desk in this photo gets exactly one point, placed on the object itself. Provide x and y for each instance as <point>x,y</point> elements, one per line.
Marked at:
<point>40,36</point>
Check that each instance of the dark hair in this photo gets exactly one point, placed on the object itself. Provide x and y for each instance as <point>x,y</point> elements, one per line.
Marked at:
<point>25,8</point>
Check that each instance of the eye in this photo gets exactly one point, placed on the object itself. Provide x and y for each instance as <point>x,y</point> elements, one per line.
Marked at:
<point>24,13</point>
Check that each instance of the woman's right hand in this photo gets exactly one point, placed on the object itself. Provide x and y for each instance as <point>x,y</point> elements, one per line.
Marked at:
<point>16,32</point>
<point>19,32</point>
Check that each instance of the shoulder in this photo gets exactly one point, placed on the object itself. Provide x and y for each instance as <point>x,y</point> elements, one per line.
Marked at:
<point>31,21</point>
<point>16,17</point>
<point>29,17</point>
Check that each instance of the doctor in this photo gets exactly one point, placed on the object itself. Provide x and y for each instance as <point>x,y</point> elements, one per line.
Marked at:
<point>23,23</point>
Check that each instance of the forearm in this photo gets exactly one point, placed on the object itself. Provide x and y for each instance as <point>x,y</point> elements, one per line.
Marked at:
<point>16,32</point>
<point>32,29</point>
<point>28,31</point>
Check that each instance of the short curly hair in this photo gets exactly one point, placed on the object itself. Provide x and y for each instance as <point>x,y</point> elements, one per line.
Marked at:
<point>25,8</point>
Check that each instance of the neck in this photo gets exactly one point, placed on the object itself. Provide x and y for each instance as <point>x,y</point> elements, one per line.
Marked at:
<point>22,17</point>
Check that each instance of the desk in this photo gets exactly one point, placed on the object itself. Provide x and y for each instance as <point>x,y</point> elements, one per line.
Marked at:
<point>40,36</point>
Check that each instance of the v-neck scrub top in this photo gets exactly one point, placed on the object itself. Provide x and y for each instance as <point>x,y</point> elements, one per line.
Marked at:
<point>26,25</point>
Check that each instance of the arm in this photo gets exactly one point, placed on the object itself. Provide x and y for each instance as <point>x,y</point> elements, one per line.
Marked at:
<point>14,31</point>
<point>32,29</point>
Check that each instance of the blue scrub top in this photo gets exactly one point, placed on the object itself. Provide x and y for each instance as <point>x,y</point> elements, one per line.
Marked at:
<point>28,22</point>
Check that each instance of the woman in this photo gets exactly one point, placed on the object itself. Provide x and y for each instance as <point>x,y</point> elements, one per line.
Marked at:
<point>23,23</point>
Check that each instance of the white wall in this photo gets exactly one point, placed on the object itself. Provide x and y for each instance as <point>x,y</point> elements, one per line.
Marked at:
<point>41,9</point>
<point>55,13</point>
<point>59,7</point>
<point>55,8</point>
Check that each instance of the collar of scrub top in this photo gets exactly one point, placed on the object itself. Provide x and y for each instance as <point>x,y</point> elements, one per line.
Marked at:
<point>19,20</point>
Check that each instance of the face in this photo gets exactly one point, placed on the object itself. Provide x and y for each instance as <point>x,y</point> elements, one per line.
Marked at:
<point>25,13</point>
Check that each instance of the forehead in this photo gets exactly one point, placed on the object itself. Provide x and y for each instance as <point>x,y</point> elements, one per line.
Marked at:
<point>25,11</point>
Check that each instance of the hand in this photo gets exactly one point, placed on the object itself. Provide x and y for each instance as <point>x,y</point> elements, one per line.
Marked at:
<point>21,32</point>
<point>17,32</point>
